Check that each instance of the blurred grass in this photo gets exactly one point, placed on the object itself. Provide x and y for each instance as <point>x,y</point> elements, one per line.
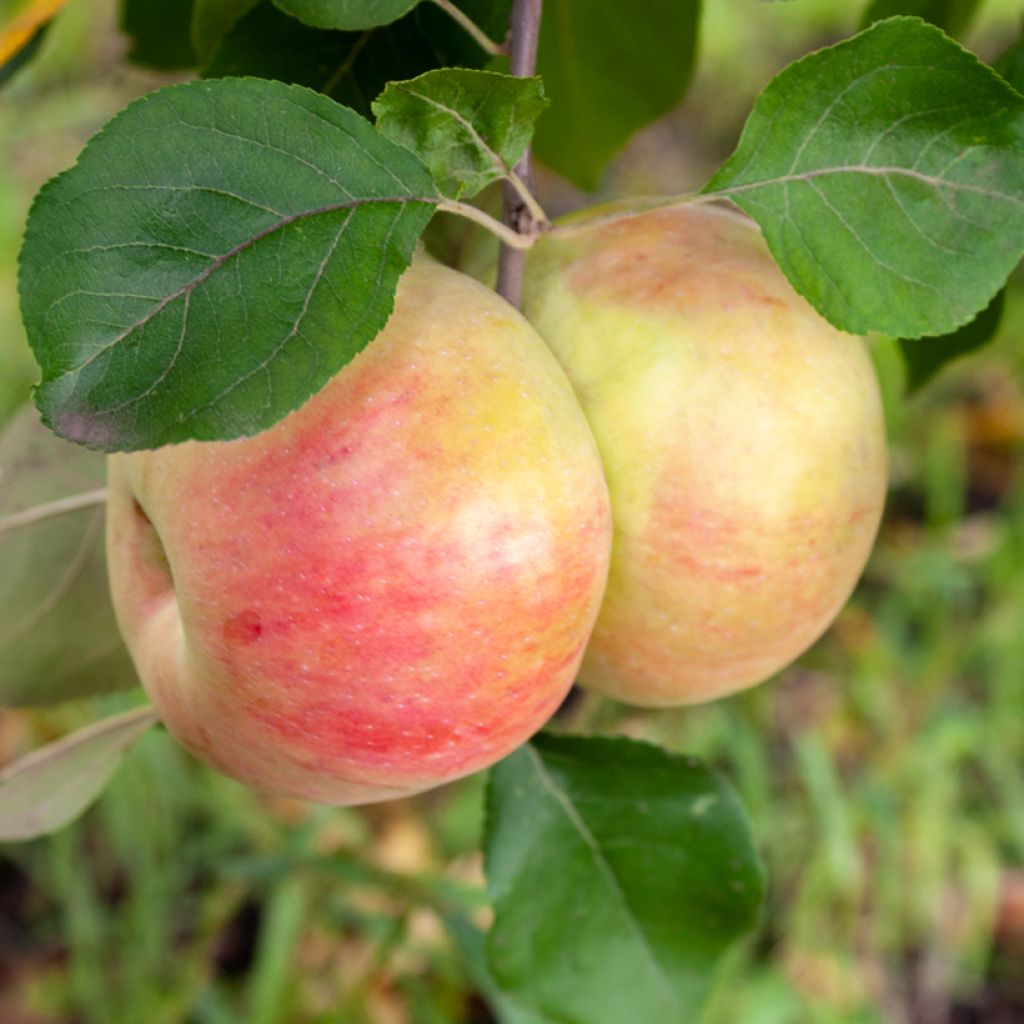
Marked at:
<point>883,774</point>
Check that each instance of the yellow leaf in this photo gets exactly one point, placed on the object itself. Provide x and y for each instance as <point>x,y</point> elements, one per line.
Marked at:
<point>19,31</point>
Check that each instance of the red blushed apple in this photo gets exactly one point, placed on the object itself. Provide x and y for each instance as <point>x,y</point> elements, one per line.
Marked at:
<point>390,588</point>
<point>742,439</point>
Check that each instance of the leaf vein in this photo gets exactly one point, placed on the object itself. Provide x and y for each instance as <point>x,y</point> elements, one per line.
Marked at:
<point>603,866</point>
<point>242,246</point>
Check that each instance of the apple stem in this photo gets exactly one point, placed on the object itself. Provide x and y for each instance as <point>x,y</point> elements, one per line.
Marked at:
<point>524,31</point>
<point>483,40</point>
<point>59,507</point>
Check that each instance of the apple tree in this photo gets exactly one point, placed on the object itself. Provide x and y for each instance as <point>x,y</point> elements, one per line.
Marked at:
<point>227,245</point>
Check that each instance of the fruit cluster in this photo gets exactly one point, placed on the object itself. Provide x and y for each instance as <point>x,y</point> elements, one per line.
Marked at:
<point>666,478</point>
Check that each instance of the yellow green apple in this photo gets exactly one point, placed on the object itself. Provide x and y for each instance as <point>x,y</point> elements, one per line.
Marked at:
<point>390,588</point>
<point>742,440</point>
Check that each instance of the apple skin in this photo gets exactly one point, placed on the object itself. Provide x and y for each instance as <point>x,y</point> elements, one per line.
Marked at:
<point>390,588</point>
<point>742,439</point>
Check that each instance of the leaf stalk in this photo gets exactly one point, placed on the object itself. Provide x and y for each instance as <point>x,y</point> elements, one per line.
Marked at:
<point>482,39</point>
<point>509,237</point>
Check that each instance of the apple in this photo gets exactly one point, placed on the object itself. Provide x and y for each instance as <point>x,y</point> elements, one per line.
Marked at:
<point>390,588</point>
<point>742,439</point>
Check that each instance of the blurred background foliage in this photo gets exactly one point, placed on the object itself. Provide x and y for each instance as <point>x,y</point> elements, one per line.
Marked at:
<point>884,773</point>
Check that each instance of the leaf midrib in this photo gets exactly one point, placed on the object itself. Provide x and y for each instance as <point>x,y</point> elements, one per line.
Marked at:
<point>604,867</point>
<point>869,169</point>
<point>220,261</point>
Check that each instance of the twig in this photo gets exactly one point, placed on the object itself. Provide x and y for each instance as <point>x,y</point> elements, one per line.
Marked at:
<point>483,40</point>
<point>59,507</point>
<point>523,34</point>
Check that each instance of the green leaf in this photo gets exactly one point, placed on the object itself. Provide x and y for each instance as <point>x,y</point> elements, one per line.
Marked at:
<point>952,16</point>
<point>924,357</point>
<point>211,20</point>
<point>609,69</point>
<point>619,875</point>
<point>887,173</point>
<point>159,31</point>
<point>468,127</point>
<point>58,636</point>
<point>47,789</point>
<point>353,67</point>
<point>218,253</point>
<point>1010,64</point>
<point>348,15</point>
<point>469,941</point>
